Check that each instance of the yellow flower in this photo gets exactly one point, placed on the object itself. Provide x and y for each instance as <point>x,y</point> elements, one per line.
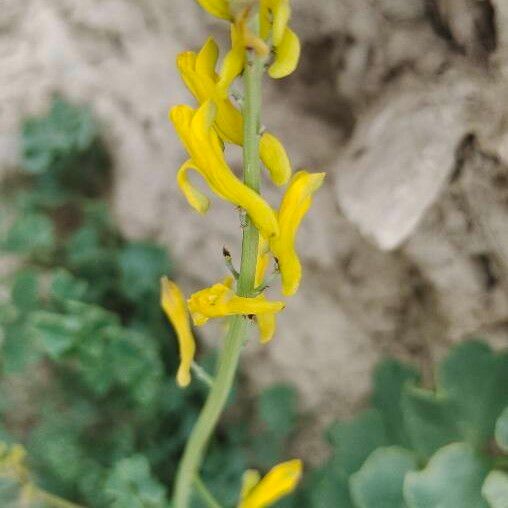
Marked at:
<point>234,61</point>
<point>217,8</point>
<point>263,259</point>
<point>275,158</point>
<point>279,482</point>
<point>274,15</point>
<point>266,322</point>
<point>207,158</point>
<point>220,300</point>
<point>287,54</point>
<point>173,304</point>
<point>199,75</point>
<point>295,204</point>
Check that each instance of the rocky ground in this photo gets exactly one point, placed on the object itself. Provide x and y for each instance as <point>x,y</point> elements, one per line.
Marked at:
<point>404,103</point>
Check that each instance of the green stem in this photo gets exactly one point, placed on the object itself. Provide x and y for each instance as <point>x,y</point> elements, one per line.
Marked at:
<point>201,374</point>
<point>229,357</point>
<point>205,494</point>
<point>252,168</point>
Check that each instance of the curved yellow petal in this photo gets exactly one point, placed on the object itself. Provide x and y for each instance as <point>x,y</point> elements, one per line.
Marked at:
<point>196,198</point>
<point>275,158</point>
<point>281,12</point>
<point>266,324</point>
<point>219,301</point>
<point>274,18</point>
<point>229,122</point>
<point>250,479</point>
<point>173,304</point>
<point>198,74</point>
<point>201,86</point>
<point>287,54</point>
<point>217,8</point>
<point>263,259</point>
<point>295,204</point>
<point>234,61</point>
<point>206,59</point>
<point>279,482</point>
<point>205,149</point>
<point>265,19</point>
<point>253,306</point>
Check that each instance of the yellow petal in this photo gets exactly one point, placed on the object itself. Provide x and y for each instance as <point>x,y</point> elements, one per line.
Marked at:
<point>217,8</point>
<point>294,206</point>
<point>220,301</point>
<point>253,306</point>
<point>229,122</point>
<point>203,119</point>
<point>206,59</point>
<point>202,86</point>
<point>280,13</point>
<point>275,158</point>
<point>234,61</point>
<point>287,54</point>
<point>198,74</point>
<point>279,482</point>
<point>267,321</point>
<point>266,324</point>
<point>263,259</point>
<point>173,304</point>
<point>205,149</point>
<point>196,198</point>
<point>250,479</point>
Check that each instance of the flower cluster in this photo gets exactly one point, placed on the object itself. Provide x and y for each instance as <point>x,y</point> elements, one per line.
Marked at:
<point>204,132</point>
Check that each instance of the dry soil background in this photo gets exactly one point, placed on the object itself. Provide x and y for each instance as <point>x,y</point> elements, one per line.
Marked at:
<point>404,103</point>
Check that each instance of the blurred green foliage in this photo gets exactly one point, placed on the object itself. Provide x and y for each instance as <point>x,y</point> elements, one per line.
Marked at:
<point>421,448</point>
<point>87,358</point>
<point>88,364</point>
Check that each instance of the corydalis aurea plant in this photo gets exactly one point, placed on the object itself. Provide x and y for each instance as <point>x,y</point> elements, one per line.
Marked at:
<point>260,40</point>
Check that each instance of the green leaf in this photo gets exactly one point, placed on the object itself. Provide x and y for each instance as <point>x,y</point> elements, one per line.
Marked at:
<point>329,488</point>
<point>93,262</point>
<point>20,348</point>
<point>65,286</point>
<point>24,292</point>
<point>94,363</point>
<point>379,482</point>
<point>430,420</point>
<point>131,485</point>
<point>277,409</point>
<point>57,332</point>
<point>390,377</point>
<point>453,478</point>
<point>502,431</point>
<point>65,145</point>
<point>141,266</point>
<point>495,489</point>
<point>31,234</point>
<point>355,440</point>
<point>476,379</point>
<point>8,314</point>
<point>55,446</point>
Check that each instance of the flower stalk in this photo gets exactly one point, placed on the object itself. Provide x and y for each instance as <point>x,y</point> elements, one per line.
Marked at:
<point>229,357</point>
<point>260,39</point>
<point>205,494</point>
